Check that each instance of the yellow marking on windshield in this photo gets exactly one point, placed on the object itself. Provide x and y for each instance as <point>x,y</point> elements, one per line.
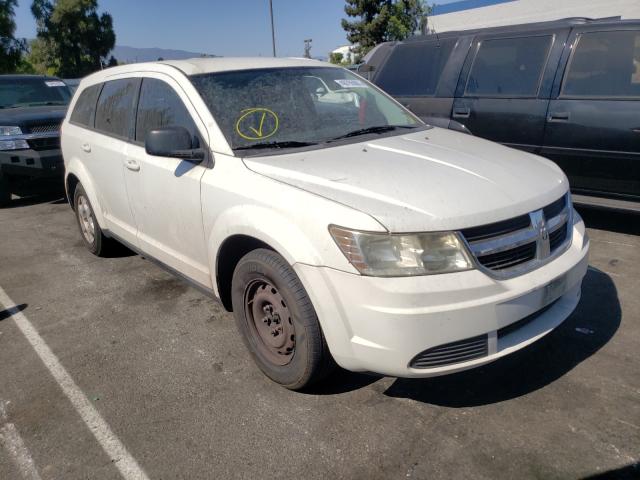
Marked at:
<point>266,120</point>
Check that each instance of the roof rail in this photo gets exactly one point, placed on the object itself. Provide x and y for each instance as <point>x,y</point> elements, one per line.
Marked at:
<point>521,26</point>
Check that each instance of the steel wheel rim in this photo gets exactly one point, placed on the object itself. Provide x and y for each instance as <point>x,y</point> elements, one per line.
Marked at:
<point>87,225</point>
<point>270,322</point>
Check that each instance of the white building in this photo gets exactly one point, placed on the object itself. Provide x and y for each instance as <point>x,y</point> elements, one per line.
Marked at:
<point>347,52</point>
<point>470,14</point>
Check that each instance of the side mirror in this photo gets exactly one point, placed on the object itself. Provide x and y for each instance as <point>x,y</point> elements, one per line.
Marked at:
<point>175,142</point>
<point>320,91</point>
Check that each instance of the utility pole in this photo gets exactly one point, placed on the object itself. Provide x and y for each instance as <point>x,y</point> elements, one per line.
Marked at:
<point>307,48</point>
<point>273,32</point>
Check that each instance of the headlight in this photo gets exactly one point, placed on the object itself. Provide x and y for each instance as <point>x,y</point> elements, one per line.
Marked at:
<point>401,255</point>
<point>5,131</point>
<point>13,145</point>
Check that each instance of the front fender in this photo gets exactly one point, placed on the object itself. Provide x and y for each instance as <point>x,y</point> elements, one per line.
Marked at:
<point>263,224</point>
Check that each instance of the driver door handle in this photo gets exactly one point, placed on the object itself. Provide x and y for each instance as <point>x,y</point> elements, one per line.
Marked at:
<point>461,112</point>
<point>558,117</point>
<point>132,165</point>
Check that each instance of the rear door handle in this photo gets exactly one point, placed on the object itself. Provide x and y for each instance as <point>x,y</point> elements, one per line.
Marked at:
<point>559,117</point>
<point>132,165</point>
<point>636,130</point>
<point>86,147</point>
<point>461,112</point>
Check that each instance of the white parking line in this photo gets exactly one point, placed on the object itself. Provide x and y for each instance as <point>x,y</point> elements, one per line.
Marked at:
<point>113,447</point>
<point>14,445</point>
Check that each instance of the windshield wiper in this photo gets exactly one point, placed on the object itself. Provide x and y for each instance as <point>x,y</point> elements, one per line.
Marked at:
<point>288,144</point>
<point>377,129</point>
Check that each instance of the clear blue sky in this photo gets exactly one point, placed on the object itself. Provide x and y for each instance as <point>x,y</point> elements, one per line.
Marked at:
<point>221,27</point>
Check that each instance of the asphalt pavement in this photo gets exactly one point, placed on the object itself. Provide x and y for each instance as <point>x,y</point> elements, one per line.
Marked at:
<point>166,380</point>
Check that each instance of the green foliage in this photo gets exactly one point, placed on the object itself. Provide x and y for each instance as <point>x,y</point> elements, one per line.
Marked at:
<point>10,48</point>
<point>74,40</point>
<point>38,57</point>
<point>380,21</point>
<point>336,58</point>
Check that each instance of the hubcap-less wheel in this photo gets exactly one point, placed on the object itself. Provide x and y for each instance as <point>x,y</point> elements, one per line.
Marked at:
<point>87,225</point>
<point>270,322</point>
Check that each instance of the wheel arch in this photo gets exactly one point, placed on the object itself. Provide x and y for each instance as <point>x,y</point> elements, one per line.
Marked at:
<point>76,174</point>
<point>244,228</point>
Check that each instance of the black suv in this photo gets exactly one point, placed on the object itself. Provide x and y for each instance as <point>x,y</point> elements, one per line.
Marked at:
<point>31,111</point>
<point>568,90</point>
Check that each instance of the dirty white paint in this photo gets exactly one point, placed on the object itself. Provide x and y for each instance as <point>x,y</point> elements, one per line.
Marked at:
<point>113,447</point>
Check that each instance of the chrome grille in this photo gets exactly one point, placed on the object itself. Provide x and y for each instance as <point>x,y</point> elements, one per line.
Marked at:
<point>44,128</point>
<point>455,352</point>
<point>521,244</point>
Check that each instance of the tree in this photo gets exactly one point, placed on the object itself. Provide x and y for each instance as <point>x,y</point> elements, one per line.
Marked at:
<point>10,48</point>
<point>336,58</point>
<point>382,21</point>
<point>75,39</point>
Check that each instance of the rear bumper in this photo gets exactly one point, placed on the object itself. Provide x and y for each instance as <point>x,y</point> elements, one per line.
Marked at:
<point>381,324</point>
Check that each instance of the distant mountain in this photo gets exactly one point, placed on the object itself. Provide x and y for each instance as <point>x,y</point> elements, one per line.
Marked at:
<point>126,54</point>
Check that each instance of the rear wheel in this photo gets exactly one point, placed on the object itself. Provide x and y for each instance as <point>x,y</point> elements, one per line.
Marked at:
<point>94,239</point>
<point>278,322</point>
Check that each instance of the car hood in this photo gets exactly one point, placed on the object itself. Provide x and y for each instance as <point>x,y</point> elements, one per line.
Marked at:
<point>423,181</point>
<point>25,116</point>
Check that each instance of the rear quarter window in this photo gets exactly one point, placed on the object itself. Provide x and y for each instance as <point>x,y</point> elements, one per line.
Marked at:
<point>85,108</point>
<point>508,66</point>
<point>414,68</point>
<point>605,64</point>
<point>115,111</point>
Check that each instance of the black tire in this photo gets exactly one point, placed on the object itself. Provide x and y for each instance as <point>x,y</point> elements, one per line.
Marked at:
<point>291,312</point>
<point>5,194</point>
<point>100,245</point>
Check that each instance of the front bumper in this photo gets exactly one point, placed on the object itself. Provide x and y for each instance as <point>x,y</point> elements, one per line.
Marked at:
<point>32,163</point>
<point>381,324</point>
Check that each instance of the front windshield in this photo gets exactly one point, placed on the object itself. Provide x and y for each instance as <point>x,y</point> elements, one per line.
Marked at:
<point>297,107</point>
<point>31,92</point>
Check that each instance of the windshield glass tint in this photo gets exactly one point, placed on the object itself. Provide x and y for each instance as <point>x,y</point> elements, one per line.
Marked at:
<point>26,92</point>
<point>296,106</point>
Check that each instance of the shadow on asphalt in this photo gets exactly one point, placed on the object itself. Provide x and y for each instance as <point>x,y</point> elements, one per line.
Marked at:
<point>614,221</point>
<point>630,472</point>
<point>4,314</point>
<point>52,198</point>
<point>587,330</point>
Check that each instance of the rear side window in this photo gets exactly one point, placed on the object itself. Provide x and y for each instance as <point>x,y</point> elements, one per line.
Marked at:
<point>509,66</point>
<point>414,68</point>
<point>159,107</point>
<point>605,64</point>
<point>84,111</point>
<point>114,114</point>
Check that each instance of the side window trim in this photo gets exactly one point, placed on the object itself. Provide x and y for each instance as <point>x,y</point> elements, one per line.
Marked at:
<point>476,49</point>
<point>578,37</point>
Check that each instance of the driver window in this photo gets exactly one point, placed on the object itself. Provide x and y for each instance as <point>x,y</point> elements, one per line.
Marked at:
<point>159,107</point>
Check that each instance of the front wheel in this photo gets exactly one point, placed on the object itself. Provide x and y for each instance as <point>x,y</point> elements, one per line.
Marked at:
<point>277,321</point>
<point>94,238</point>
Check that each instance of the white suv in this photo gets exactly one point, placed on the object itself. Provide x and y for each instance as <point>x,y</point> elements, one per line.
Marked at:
<point>341,230</point>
